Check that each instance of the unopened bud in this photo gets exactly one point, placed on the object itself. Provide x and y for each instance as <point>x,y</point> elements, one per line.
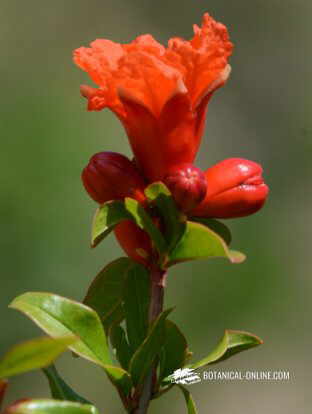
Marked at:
<point>112,176</point>
<point>235,188</point>
<point>3,388</point>
<point>187,184</point>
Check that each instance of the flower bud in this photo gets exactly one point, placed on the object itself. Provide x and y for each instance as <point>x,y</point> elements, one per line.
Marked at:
<point>187,184</point>
<point>3,388</point>
<point>134,241</point>
<point>112,176</point>
<point>235,188</point>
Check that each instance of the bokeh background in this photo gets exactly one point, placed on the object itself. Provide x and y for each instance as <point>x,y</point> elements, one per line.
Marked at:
<point>262,114</point>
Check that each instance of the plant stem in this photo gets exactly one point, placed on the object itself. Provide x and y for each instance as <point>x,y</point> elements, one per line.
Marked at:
<point>158,280</point>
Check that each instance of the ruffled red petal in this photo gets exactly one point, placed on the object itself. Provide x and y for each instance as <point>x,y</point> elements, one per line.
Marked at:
<point>203,59</point>
<point>150,74</point>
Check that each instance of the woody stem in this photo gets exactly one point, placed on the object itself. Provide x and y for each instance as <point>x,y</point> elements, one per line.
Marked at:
<point>158,279</point>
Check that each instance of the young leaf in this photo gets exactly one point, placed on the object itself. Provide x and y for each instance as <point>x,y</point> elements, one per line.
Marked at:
<point>231,343</point>
<point>136,304</point>
<point>145,222</point>
<point>105,292</point>
<point>174,352</point>
<point>59,316</point>
<point>158,194</point>
<point>190,404</point>
<point>106,218</point>
<point>59,389</point>
<point>48,406</point>
<point>33,354</point>
<point>145,355</point>
<point>120,344</point>
<point>217,226</point>
<point>199,242</point>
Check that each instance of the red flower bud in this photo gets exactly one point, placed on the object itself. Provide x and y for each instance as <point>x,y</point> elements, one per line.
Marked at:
<point>112,176</point>
<point>187,184</point>
<point>134,241</point>
<point>235,188</point>
<point>3,388</point>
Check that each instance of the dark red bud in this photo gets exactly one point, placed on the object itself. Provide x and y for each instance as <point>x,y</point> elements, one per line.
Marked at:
<point>112,176</point>
<point>134,241</point>
<point>3,388</point>
<point>187,184</point>
<point>235,188</point>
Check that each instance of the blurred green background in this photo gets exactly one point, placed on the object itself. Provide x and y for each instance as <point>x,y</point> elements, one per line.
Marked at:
<point>262,114</point>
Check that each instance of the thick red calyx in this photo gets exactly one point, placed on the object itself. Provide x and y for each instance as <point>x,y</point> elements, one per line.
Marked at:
<point>134,241</point>
<point>187,184</point>
<point>112,176</point>
<point>235,188</point>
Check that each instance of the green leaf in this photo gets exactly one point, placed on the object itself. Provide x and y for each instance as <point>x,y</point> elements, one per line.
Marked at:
<point>145,355</point>
<point>106,218</point>
<point>105,293</point>
<point>190,404</point>
<point>116,316</point>
<point>145,222</point>
<point>136,304</point>
<point>59,316</point>
<point>158,194</point>
<point>59,389</point>
<point>47,406</point>
<point>217,226</point>
<point>231,343</point>
<point>33,354</point>
<point>121,346</point>
<point>174,352</point>
<point>120,378</point>
<point>199,242</point>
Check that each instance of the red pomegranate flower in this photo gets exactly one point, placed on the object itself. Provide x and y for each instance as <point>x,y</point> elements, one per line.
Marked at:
<point>160,94</point>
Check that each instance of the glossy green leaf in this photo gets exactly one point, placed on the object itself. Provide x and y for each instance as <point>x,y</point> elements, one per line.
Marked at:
<point>47,406</point>
<point>231,343</point>
<point>145,222</point>
<point>121,346</point>
<point>105,293</point>
<point>33,354</point>
<point>136,304</point>
<point>190,403</point>
<point>199,242</point>
<point>116,316</point>
<point>158,194</point>
<point>144,357</point>
<point>106,218</point>
<point>120,378</point>
<point>59,316</point>
<point>217,226</point>
<point>59,389</point>
<point>174,352</point>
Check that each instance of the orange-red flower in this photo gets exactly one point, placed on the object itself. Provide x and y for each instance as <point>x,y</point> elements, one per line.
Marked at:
<point>159,93</point>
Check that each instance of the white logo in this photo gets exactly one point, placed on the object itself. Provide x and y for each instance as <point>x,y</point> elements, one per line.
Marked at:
<point>185,376</point>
